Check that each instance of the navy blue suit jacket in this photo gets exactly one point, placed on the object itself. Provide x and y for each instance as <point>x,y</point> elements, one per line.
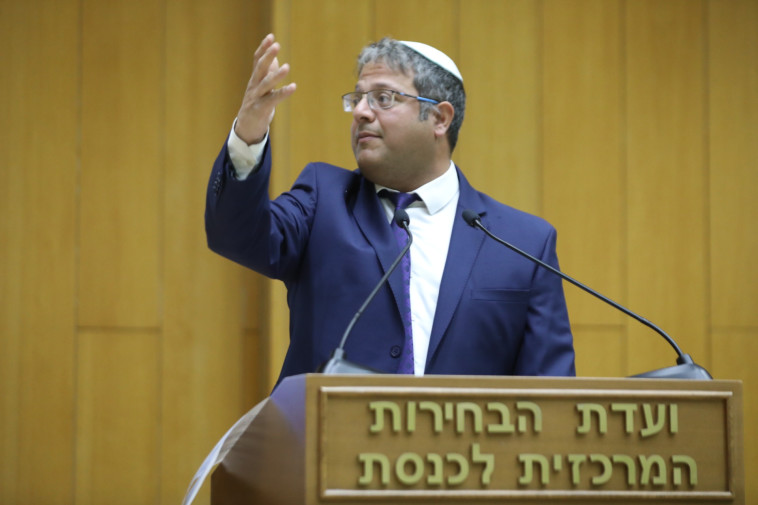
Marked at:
<point>329,241</point>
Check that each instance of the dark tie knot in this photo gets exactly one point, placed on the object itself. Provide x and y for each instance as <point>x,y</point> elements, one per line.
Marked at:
<point>399,200</point>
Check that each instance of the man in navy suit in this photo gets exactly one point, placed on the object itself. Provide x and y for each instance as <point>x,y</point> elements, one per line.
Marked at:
<point>471,306</point>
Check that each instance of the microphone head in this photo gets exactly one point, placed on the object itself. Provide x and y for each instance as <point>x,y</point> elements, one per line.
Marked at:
<point>401,217</point>
<point>470,217</point>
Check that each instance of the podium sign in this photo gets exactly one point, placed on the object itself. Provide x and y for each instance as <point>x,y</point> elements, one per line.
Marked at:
<point>403,440</point>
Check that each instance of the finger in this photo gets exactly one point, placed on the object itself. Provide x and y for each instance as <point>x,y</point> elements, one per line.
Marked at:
<point>261,90</point>
<point>274,67</point>
<point>273,78</point>
<point>264,45</point>
<point>266,64</point>
<point>265,90</point>
<point>282,93</point>
<point>266,95</point>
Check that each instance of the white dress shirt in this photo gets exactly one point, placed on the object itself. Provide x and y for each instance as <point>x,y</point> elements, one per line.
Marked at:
<point>431,222</point>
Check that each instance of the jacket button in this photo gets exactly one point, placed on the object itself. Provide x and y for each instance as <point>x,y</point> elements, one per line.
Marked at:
<point>395,351</point>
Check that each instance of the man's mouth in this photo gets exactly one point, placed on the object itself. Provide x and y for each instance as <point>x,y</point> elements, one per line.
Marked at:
<point>365,136</point>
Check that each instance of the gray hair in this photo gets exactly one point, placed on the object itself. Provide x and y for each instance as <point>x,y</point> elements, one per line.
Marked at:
<point>430,80</point>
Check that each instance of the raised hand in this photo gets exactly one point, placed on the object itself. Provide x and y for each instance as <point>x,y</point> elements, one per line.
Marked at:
<point>262,96</point>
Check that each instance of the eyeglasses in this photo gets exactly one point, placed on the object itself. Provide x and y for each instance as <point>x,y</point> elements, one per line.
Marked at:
<point>377,99</point>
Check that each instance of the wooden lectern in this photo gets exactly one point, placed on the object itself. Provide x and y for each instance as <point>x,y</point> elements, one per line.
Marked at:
<point>390,439</point>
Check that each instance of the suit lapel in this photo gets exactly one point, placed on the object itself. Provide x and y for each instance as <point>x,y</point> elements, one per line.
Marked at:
<point>465,243</point>
<point>370,217</point>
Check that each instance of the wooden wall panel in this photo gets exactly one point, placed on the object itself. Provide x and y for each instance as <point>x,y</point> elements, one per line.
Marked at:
<point>38,176</point>
<point>666,178</point>
<point>118,417</point>
<point>122,146</point>
<point>733,149</point>
<point>323,66</point>
<point>282,148</point>
<point>582,146</point>
<point>583,170</point>
<point>599,350</point>
<point>208,61</point>
<point>11,238</point>
<point>499,146</point>
<point>111,113</point>
<point>324,69</point>
<point>440,28</point>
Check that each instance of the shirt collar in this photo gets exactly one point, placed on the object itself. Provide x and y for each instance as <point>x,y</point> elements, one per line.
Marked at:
<point>437,193</point>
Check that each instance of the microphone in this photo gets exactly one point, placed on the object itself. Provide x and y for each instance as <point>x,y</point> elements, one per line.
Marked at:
<point>337,364</point>
<point>685,368</point>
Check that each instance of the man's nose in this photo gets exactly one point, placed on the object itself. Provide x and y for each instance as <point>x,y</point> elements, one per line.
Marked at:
<point>362,111</point>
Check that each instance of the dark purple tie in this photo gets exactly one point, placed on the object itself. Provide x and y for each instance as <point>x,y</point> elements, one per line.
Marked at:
<point>402,201</point>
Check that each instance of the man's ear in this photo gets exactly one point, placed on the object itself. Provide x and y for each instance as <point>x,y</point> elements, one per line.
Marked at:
<point>443,116</point>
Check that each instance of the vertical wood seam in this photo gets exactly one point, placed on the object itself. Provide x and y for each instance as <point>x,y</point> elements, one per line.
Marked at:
<point>75,467</point>
<point>160,345</point>
<point>539,15</point>
<point>624,176</point>
<point>707,264</point>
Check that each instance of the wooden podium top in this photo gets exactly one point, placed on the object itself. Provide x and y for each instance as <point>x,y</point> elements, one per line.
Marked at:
<point>398,439</point>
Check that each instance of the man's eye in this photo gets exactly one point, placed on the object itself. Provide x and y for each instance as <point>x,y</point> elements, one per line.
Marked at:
<point>383,98</point>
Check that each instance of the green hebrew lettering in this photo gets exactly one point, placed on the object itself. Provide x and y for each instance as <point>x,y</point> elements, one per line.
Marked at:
<point>604,477</point>
<point>586,409</point>
<point>379,408</point>
<point>631,467</point>
<point>677,462</point>
<point>528,461</point>
<point>449,411</point>
<point>505,425</point>
<point>476,414</point>
<point>435,478</point>
<point>673,418</point>
<point>557,462</point>
<point>536,416</point>
<point>410,416</point>
<point>488,460</point>
<point>576,461</point>
<point>462,463</point>
<point>628,409</point>
<point>402,462</point>
<point>648,462</point>
<point>652,426</point>
<point>369,459</point>
<point>436,411</point>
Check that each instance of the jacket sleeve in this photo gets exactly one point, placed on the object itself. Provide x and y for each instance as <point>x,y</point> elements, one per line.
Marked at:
<point>245,226</point>
<point>547,347</point>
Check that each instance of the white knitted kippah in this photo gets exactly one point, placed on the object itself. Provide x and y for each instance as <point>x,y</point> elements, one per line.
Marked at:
<point>435,56</point>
